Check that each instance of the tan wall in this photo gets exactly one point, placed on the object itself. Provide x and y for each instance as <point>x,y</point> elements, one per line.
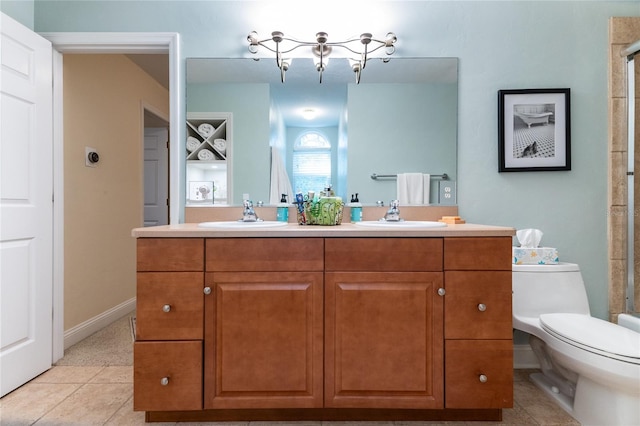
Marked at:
<point>103,98</point>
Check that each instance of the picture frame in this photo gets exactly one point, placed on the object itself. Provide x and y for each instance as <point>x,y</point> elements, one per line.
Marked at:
<point>534,130</point>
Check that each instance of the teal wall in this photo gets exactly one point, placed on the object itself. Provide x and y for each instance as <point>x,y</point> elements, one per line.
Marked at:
<point>20,10</point>
<point>500,45</point>
<point>399,128</point>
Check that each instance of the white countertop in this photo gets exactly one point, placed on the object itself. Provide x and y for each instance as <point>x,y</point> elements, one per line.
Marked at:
<point>293,230</point>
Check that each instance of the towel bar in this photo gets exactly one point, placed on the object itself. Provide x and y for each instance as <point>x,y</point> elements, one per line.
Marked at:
<point>376,176</point>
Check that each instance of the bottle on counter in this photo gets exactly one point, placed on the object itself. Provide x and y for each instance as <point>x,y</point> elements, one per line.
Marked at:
<point>356,208</point>
<point>282,211</point>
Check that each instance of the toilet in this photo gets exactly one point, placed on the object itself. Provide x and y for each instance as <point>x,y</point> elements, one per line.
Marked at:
<point>591,367</point>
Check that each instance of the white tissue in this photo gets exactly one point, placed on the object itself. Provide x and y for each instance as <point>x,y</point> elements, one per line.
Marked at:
<point>529,238</point>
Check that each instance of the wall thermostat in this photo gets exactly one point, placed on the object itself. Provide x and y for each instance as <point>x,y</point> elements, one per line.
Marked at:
<point>91,157</point>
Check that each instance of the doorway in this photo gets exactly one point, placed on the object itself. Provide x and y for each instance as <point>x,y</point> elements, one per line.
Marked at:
<point>129,43</point>
<point>156,169</point>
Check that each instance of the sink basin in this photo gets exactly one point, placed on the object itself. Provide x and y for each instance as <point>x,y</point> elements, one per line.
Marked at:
<point>238,224</point>
<point>403,224</point>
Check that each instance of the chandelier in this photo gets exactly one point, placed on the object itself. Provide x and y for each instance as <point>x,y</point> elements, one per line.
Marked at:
<point>357,49</point>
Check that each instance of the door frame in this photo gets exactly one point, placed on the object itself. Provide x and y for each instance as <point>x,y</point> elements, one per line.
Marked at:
<point>83,42</point>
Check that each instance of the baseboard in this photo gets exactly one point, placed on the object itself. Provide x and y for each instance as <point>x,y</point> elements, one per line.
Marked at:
<point>523,357</point>
<point>97,323</point>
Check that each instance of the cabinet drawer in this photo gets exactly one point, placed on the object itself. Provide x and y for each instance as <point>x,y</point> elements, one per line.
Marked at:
<point>170,254</point>
<point>167,376</point>
<point>490,253</point>
<point>383,254</point>
<point>477,305</point>
<point>478,374</point>
<point>169,305</point>
<point>264,254</point>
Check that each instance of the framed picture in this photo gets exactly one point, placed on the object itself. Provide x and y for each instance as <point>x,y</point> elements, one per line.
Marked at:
<point>534,130</point>
<point>201,192</point>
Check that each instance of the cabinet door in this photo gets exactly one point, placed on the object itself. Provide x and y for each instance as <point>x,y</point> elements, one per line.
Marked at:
<point>473,253</point>
<point>263,340</point>
<point>477,305</point>
<point>167,376</point>
<point>169,305</point>
<point>479,373</point>
<point>170,254</point>
<point>383,340</point>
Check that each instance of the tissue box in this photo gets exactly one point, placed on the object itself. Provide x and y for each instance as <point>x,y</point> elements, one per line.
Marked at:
<point>535,256</point>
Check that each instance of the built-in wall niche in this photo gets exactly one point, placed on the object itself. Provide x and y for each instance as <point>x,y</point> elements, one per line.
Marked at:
<point>209,153</point>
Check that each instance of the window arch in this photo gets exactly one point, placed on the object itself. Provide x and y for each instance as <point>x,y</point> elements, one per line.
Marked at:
<point>311,162</point>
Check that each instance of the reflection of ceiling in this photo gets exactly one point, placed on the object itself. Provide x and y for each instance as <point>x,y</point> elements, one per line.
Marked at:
<point>330,97</point>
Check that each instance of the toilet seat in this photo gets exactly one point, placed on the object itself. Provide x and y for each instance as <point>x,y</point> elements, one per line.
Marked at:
<point>594,335</point>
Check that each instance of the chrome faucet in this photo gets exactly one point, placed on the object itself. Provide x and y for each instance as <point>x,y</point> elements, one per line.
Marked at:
<point>393,214</point>
<point>249,214</point>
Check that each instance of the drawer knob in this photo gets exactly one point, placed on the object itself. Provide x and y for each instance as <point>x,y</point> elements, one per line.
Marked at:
<point>207,290</point>
<point>164,381</point>
<point>441,292</point>
<point>166,308</point>
<point>483,378</point>
<point>482,307</point>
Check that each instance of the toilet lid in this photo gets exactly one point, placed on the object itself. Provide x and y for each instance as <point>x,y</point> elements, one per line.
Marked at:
<point>594,335</point>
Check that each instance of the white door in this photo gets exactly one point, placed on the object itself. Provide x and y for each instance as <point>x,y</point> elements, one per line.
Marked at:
<point>26,204</point>
<point>156,176</point>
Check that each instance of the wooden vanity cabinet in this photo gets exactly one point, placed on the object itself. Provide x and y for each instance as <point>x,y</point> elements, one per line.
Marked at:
<point>383,329</point>
<point>169,318</point>
<point>477,323</point>
<point>264,323</point>
<point>320,327</point>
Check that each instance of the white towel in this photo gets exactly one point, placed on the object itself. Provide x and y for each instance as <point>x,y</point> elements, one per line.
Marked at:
<point>206,155</point>
<point>280,183</point>
<point>413,188</point>
<point>220,145</point>
<point>192,144</point>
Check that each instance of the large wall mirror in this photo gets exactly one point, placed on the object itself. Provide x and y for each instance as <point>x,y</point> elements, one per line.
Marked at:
<point>401,118</point>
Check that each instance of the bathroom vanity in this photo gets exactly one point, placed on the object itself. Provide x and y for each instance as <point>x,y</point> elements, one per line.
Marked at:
<point>323,323</point>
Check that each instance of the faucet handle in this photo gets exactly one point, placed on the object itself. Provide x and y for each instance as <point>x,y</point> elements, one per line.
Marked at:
<point>394,204</point>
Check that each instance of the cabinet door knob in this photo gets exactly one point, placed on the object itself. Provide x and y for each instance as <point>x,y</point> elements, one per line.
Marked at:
<point>207,290</point>
<point>483,378</point>
<point>441,292</point>
<point>164,381</point>
<point>166,308</point>
<point>482,307</point>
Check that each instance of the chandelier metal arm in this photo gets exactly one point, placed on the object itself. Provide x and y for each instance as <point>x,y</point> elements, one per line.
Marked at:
<point>322,48</point>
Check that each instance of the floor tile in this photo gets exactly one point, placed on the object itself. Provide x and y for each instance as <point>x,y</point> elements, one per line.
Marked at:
<point>92,404</point>
<point>18,407</point>
<point>68,374</point>
<point>114,374</point>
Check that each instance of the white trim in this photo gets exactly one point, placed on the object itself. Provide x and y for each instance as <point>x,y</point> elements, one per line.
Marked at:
<point>524,357</point>
<point>58,211</point>
<point>97,323</point>
<point>76,42</point>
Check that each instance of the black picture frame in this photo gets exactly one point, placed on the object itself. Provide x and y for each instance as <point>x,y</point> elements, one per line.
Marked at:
<point>534,130</point>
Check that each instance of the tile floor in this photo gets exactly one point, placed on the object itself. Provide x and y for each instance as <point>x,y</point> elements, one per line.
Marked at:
<point>93,385</point>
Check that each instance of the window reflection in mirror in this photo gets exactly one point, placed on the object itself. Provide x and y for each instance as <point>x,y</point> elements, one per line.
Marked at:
<point>402,117</point>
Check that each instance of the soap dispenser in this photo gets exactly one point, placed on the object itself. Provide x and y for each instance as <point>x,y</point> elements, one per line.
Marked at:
<point>282,212</point>
<point>356,208</point>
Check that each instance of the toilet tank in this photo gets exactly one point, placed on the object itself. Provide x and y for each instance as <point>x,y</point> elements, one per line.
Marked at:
<point>542,289</point>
